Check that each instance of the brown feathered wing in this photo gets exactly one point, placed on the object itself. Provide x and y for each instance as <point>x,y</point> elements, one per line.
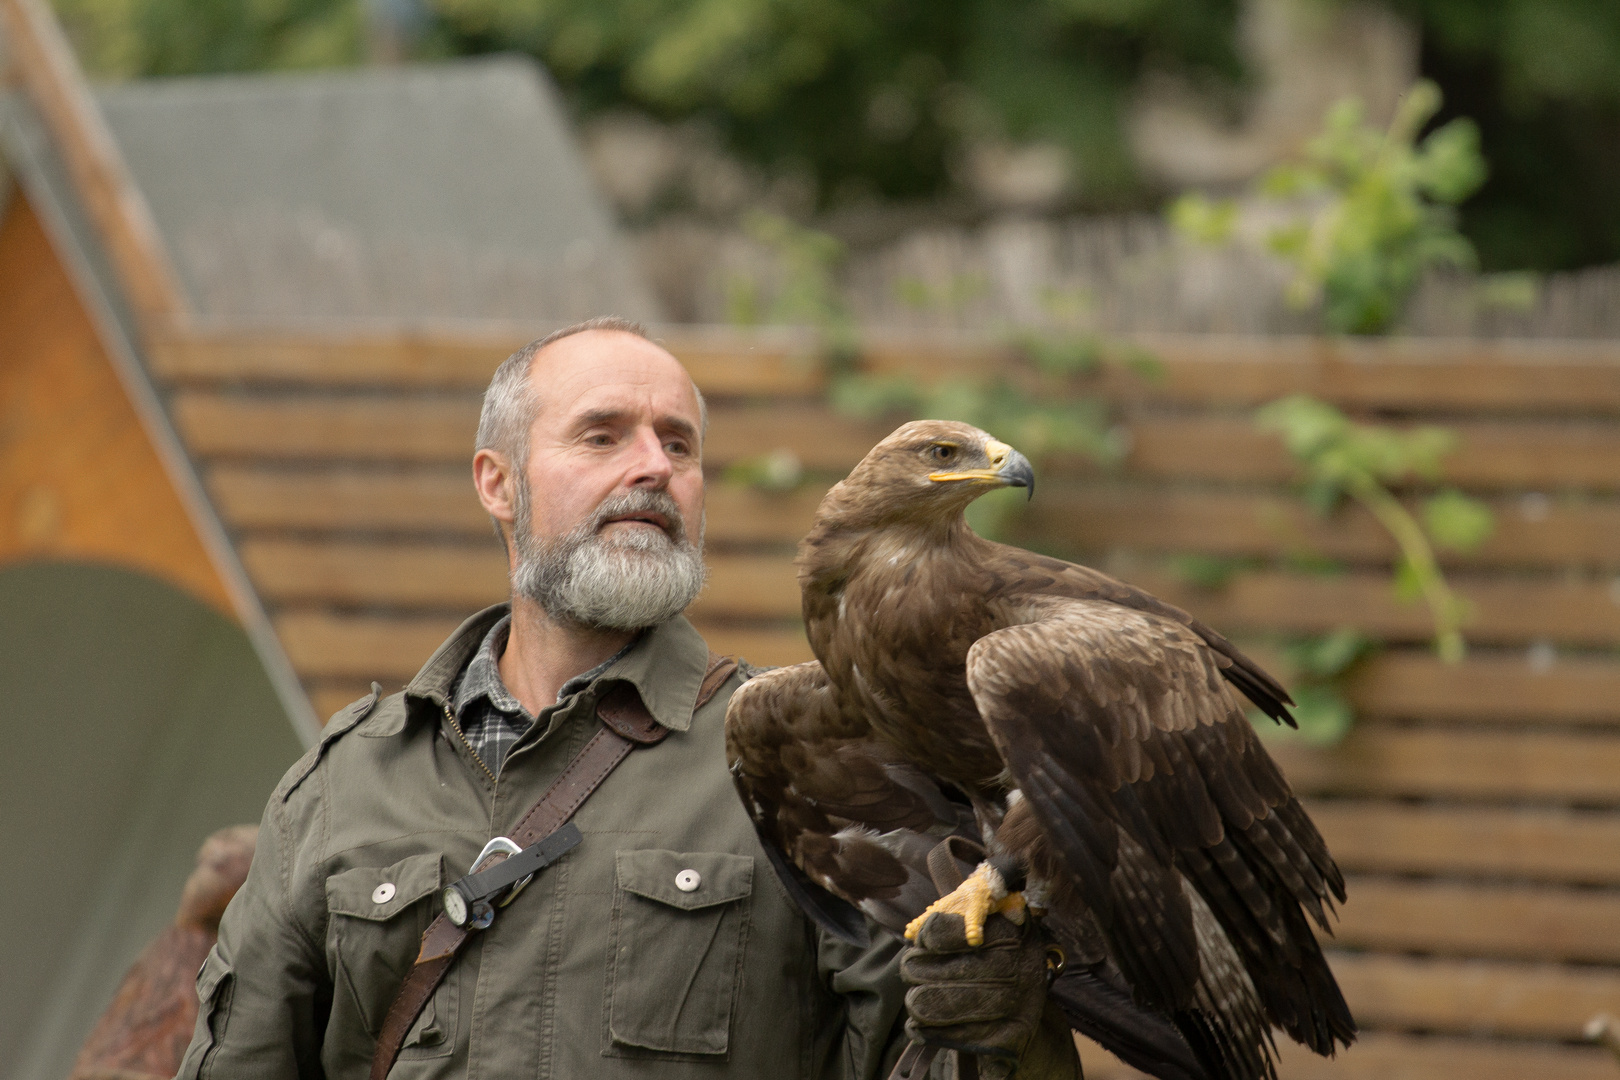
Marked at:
<point>844,810</point>
<point>1147,795</point>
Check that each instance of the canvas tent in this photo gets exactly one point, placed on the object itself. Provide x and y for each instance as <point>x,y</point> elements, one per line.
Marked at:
<point>149,698</point>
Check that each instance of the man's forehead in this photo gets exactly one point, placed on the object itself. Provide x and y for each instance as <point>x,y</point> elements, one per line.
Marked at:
<point>602,368</point>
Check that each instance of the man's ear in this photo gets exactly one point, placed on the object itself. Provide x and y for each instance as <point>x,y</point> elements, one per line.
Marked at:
<point>492,478</point>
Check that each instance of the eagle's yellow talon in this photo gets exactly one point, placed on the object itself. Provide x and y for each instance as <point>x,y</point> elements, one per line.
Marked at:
<point>975,900</point>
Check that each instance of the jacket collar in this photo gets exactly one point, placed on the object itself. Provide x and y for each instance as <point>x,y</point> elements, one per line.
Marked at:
<point>666,666</point>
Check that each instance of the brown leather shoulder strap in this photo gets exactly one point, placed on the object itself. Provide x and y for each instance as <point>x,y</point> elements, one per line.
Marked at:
<point>720,669</point>
<point>626,724</point>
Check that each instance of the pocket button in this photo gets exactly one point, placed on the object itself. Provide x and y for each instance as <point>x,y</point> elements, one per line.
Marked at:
<point>383,893</point>
<point>688,880</point>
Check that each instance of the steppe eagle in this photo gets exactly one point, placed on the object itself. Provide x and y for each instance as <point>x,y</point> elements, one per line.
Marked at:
<point>1088,734</point>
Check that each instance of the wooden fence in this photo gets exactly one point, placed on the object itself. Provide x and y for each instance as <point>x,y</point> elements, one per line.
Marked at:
<point>1475,808</point>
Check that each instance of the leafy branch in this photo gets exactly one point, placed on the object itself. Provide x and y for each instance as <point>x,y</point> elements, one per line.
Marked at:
<point>1343,459</point>
<point>1365,211</point>
<point>1033,403</point>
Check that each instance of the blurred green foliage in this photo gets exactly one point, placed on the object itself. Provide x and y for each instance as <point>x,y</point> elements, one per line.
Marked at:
<point>1542,80</point>
<point>1367,210</point>
<point>1341,459</point>
<point>1320,666</point>
<point>1036,403</point>
<point>881,97</point>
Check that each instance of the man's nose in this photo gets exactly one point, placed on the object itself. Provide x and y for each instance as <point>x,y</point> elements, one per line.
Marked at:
<point>650,465</point>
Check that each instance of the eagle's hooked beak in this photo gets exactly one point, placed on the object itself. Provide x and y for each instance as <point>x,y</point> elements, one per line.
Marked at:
<point>1016,471</point>
<point>1008,468</point>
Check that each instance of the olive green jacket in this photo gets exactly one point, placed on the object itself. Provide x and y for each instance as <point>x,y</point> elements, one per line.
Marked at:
<point>601,968</point>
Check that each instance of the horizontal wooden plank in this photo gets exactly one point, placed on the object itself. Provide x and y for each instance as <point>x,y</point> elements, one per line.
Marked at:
<point>323,645</point>
<point>1489,455</point>
<point>326,646</point>
<point>467,577</point>
<point>1531,922</point>
<point>1488,687</point>
<point>454,576</point>
<point>1474,997</point>
<point>1531,531</point>
<point>1377,759</point>
<point>312,427</point>
<point>418,500</point>
<point>415,429</point>
<point>409,430</point>
<point>1501,610</point>
<point>1385,1056</point>
<point>327,696</point>
<point>1552,845</point>
<point>765,646</point>
<point>1412,374</point>
<point>440,500</point>
<point>723,361</point>
<point>1416,1057</point>
<point>442,574</point>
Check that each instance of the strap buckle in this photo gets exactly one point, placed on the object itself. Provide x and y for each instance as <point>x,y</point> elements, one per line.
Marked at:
<point>470,903</point>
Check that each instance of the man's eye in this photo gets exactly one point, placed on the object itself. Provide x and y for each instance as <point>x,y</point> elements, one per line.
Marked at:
<point>942,453</point>
<point>676,446</point>
<point>600,439</point>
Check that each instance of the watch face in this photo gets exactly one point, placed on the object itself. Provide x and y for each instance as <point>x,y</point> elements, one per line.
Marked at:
<point>455,907</point>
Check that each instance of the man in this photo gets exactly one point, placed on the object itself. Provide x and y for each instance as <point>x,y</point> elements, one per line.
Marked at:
<point>663,944</point>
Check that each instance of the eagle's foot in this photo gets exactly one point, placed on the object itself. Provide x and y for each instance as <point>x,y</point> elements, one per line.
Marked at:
<point>982,894</point>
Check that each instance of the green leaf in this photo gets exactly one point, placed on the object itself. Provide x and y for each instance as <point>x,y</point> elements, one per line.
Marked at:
<point>1456,521</point>
<point>1407,581</point>
<point>1205,571</point>
<point>1330,655</point>
<point>1324,715</point>
<point>1204,220</point>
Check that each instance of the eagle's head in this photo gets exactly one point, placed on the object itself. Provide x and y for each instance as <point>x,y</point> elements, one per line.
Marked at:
<point>934,468</point>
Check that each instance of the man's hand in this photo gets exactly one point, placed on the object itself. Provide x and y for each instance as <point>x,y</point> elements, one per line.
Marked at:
<point>989,999</point>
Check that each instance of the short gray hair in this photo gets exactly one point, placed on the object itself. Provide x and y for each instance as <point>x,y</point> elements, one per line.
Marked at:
<point>510,402</point>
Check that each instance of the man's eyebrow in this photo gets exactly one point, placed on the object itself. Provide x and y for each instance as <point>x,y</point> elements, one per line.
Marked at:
<point>681,426</point>
<point>597,416</point>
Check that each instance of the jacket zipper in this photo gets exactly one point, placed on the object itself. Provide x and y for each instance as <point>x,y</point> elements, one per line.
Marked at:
<point>450,716</point>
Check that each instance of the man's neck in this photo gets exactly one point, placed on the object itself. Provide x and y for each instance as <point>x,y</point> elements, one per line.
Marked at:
<point>542,654</point>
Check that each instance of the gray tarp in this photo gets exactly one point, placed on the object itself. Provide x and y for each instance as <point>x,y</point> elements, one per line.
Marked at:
<point>136,721</point>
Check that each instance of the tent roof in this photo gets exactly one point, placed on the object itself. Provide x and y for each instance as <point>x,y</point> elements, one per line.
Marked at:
<point>443,191</point>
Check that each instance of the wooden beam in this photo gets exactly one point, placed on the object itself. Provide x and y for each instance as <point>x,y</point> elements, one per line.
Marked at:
<point>1537,531</point>
<point>1491,455</point>
<point>1474,997</point>
<point>1532,922</point>
<point>1501,610</point>
<point>1461,763</point>
<point>1413,376</point>
<point>1417,1057</point>
<point>438,500</point>
<point>328,646</point>
<point>51,75</point>
<point>1552,845</point>
<point>435,500</point>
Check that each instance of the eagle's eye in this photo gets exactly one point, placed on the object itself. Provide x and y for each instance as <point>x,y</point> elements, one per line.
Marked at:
<point>942,452</point>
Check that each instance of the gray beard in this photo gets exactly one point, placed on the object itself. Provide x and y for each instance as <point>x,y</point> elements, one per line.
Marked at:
<point>636,579</point>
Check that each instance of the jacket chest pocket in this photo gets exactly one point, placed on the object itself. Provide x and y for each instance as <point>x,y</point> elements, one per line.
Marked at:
<point>675,950</point>
<point>376,917</point>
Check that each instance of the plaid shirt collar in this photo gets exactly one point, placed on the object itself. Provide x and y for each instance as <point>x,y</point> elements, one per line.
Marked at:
<point>490,718</point>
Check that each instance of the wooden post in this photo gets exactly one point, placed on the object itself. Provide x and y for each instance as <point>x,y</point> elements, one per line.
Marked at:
<point>53,79</point>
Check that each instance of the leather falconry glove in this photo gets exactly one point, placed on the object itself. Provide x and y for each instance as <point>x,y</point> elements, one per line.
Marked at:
<point>989,1000</point>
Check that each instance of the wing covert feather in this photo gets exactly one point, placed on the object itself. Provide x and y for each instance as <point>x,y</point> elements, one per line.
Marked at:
<point>1113,719</point>
<point>838,804</point>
